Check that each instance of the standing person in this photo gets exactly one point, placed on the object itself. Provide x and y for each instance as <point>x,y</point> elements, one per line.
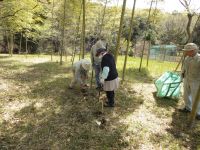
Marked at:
<point>191,75</point>
<point>109,76</point>
<point>80,71</point>
<point>96,61</point>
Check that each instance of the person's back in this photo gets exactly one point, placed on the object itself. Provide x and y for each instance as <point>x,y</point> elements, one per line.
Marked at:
<point>108,60</point>
<point>80,71</point>
<point>97,45</point>
<point>192,67</point>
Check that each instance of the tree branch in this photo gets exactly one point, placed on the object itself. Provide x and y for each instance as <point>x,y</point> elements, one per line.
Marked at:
<point>11,15</point>
<point>186,5</point>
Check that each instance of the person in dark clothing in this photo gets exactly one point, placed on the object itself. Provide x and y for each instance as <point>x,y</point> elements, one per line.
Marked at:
<point>109,75</point>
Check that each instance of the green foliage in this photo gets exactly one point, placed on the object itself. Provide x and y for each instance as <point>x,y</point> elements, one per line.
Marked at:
<point>173,29</point>
<point>130,53</point>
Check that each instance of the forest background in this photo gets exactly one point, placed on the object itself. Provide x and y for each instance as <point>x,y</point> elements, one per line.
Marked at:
<point>38,26</point>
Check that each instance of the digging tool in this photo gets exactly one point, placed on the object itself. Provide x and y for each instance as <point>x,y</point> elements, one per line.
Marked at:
<point>181,61</point>
<point>91,78</point>
<point>99,95</point>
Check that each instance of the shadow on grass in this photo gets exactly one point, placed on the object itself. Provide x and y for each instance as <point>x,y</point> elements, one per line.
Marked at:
<point>59,118</point>
<point>133,74</point>
<point>179,129</point>
<point>10,64</point>
<point>4,56</point>
<point>165,101</point>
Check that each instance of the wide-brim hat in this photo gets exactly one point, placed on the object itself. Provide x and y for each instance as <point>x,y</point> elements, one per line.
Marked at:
<point>86,64</point>
<point>99,51</point>
<point>190,47</point>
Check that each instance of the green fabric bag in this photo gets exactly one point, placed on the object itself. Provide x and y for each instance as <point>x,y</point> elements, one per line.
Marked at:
<point>168,85</point>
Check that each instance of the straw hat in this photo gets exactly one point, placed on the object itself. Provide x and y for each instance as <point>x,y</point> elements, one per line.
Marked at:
<point>190,46</point>
<point>86,64</point>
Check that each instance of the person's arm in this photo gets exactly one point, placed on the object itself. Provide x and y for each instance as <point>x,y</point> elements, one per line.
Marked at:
<point>105,72</point>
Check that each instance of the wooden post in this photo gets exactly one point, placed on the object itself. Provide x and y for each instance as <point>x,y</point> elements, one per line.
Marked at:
<point>91,78</point>
<point>194,108</point>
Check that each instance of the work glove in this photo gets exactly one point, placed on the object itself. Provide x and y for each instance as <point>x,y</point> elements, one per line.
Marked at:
<point>102,81</point>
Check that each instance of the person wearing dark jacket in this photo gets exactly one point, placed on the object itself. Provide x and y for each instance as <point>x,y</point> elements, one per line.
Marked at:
<point>109,75</point>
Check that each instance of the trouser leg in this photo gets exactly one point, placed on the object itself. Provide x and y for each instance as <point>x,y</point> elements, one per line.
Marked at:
<point>110,96</point>
<point>187,95</point>
<point>194,89</point>
<point>97,73</point>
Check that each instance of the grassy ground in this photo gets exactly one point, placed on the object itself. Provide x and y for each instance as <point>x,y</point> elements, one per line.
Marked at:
<point>38,111</point>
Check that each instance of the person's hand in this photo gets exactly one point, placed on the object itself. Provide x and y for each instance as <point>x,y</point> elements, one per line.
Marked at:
<point>84,85</point>
<point>182,75</point>
<point>101,80</point>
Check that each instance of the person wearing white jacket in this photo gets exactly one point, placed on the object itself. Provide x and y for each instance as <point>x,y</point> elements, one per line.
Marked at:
<point>191,76</point>
<point>80,71</point>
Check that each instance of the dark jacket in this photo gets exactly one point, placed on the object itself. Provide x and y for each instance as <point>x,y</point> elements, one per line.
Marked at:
<point>108,60</point>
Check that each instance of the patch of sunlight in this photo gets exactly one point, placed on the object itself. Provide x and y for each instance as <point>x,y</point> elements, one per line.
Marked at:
<point>38,105</point>
<point>11,108</point>
<point>144,124</point>
<point>34,60</point>
<point>146,120</point>
<point>65,75</point>
<point>3,87</point>
<point>57,110</point>
<point>147,146</point>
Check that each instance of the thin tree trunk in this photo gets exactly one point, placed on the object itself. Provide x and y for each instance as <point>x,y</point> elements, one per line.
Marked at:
<point>129,38</point>
<point>63,33</point>
<point>83,32</point>
<point>149,49</point>
<point>52,30</point>
<point>148,54</point>
<point>165,52</point>
<point>8,42</point>
<point>145,36</point>
<point>26,46</point>
<point>102,21</point>
<point>195,26</point>
<point>188,27</point>
<point>142,55</point>
<point>76,36</point>
<point>120,30</point>
<point>11,44</point>
<point>135,48</point>
<point>20,43</point>
<point>113,25</point>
